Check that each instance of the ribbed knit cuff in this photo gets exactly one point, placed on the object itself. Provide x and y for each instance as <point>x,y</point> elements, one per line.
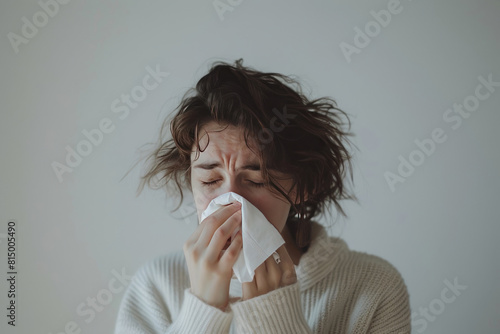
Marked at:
<point>278,311</point>
<point>196,316</point>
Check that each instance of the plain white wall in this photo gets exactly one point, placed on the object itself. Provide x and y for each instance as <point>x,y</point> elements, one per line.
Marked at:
<point>440,224</point>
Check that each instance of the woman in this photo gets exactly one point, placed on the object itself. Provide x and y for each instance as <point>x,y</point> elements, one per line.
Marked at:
<point>255,134</point>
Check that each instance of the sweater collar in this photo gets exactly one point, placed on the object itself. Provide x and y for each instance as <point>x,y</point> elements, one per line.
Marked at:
<point>318,261</point>
<point>321,257</point>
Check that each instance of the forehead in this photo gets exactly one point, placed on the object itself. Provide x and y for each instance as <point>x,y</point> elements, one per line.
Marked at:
<point>224,140</point>
<point>227,142</point>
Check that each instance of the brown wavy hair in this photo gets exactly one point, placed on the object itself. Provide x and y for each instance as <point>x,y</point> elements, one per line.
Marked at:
<point>288,132</point>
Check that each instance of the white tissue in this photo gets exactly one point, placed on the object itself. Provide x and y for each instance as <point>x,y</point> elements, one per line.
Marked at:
<point>260,238</point>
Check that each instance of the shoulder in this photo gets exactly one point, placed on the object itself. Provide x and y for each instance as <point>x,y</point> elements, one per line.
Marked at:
<point>372,264</point>
<point>372,272</point>
<point>372,286</point>
<point>154,295</point>
<point>329,257</point>
<point>165,269</point>
<point>330,261</point>
<point>332,254</point>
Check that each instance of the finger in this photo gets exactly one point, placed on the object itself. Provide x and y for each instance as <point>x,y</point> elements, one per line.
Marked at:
<point>261,277</point>
<point>211,223</point>
<point>193,238</point>
<point>228,259</point>
<point>289,276</point>
<point>248,289</point>
<point>221,236</point>
<point>274,273</point>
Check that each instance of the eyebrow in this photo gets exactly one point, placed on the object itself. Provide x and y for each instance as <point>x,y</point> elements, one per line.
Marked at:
<point>213,165</point>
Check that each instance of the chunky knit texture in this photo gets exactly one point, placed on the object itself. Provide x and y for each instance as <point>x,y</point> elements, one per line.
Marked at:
<point>338,291</point>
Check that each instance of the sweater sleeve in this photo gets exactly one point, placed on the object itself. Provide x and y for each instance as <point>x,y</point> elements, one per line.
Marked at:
<point>278,311</point>
<point>156,302</point>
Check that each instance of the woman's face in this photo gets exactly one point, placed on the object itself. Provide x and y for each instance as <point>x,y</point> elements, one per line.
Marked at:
<point>227,164</point>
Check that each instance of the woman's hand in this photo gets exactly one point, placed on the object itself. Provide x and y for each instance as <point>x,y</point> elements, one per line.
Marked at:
<point>270,276</point>
<point>210,271</point>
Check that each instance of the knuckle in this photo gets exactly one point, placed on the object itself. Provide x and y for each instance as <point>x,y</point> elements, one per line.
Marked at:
<point>236,216</point>
<point>221,232</point>
<point>194,253</point>
<point>231,252</point>
<point>187,247</point>
<point>289,277</point>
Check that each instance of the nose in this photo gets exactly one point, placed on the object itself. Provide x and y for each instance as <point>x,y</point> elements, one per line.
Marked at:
<point>232,186</point>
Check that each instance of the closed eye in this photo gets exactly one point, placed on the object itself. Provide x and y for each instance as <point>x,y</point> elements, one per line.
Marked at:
<point>255,184</point>
<point>210,183</point>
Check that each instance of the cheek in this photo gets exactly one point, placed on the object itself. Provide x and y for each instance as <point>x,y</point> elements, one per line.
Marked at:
<point>201,201</point>
<point>274,210</point>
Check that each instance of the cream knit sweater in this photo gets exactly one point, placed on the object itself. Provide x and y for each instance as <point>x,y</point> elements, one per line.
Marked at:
<point>338,291</point>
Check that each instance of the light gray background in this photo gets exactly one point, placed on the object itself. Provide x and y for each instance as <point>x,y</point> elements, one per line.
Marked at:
<point>440,224</point>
